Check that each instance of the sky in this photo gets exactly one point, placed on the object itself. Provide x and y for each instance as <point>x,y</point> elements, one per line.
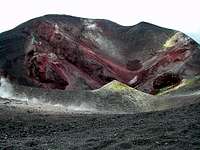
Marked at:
<point>182,15</point>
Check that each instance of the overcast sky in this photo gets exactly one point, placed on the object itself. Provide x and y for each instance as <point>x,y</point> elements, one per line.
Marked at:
<point>183,15</point>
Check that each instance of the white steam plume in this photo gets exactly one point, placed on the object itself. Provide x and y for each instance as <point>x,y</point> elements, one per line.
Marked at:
<point>7,91</point>
<point>81,107</point>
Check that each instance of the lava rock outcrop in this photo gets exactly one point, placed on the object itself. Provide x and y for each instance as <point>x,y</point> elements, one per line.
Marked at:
<point>70,53</point>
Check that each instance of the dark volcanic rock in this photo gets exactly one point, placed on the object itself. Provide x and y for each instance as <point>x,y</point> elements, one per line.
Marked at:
<point>177,129</point>
<point>65,52</point>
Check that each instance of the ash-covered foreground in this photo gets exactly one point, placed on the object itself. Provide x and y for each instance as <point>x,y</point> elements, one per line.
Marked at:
<point>32,118</point>
<point>172,129</point>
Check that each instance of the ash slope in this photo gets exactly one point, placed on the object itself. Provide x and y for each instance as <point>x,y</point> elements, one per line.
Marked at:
<point>113,98</point>
<point>171,129</point>
<point>65,52</point>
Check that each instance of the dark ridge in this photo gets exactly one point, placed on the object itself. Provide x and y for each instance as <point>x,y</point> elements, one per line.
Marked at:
<point>59,43</point>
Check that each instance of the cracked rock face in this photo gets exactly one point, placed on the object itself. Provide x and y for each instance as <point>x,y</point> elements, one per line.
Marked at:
<point>70,53</point>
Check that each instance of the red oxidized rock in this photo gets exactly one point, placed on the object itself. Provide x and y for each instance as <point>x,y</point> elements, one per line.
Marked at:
<point>65,52</point>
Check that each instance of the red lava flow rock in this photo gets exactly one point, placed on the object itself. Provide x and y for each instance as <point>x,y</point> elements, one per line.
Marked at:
<point>71,53</point>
